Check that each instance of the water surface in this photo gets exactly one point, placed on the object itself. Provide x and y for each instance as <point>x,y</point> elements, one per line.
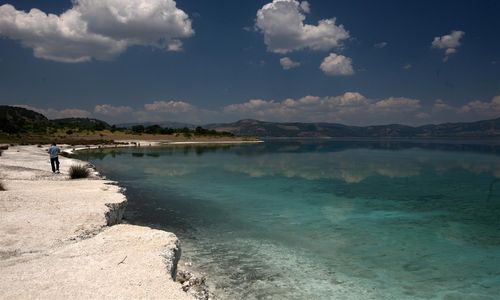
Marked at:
<point>307,219</point>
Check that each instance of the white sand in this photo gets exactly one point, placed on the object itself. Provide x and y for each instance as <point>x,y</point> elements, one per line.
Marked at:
<point>55,242</point>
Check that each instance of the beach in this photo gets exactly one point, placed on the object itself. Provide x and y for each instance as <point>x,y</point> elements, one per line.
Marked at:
<point>62,238</point>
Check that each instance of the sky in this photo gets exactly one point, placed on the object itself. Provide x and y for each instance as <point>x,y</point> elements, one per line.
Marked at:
<point>352,62</point>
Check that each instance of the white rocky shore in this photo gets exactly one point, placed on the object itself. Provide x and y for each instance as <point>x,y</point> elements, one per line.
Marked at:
<point>61,238</point>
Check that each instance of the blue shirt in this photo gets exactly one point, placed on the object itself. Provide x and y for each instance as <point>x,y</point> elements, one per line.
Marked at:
<point>54,151</point>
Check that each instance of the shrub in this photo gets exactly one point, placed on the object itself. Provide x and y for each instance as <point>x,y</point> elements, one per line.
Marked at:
<point>2,188</point>
<point>78,171</point>
<point>138,129</point>
<point>153,129</point>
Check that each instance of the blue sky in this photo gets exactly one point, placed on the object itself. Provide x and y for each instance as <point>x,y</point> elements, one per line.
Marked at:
<point>353,62</point>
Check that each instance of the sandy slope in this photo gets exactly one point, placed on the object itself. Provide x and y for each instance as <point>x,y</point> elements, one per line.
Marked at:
<point>55,241</point>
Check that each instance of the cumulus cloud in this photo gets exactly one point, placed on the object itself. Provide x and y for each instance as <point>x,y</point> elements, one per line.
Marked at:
<point>350,107</point>
<point>174,110</point>
<point>288,64</point>
<point>356,109</point>
<point>169,106</point>
<point>253,106</point>
<point>441,105</point>
<point>449,42</point>
<point>52,113</point>
<point>282,23</point>
<point>305,6</point>
<point>349,99</point>
<point>491,108</point>
<point>397,104</point>
<point>472,110</point>
<point>335,64</point>
<point>99,29</point>
<point>380,45</point>
<point>110,110</point>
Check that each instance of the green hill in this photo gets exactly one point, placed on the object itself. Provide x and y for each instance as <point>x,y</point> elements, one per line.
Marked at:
<point>18,120</point>
<point>80,123</point>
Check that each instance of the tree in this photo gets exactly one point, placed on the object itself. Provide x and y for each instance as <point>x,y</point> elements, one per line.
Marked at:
<point>138,129</point>
<point>153,129</point>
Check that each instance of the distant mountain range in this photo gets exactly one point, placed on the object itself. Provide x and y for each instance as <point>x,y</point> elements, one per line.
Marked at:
<point>17,119</point>
<point>248,127</point>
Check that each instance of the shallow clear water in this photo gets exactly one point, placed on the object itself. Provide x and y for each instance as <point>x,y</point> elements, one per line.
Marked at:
<point>324,219</point>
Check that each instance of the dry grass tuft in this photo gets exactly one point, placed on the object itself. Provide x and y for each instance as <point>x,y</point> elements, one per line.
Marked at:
<point>78,171</point>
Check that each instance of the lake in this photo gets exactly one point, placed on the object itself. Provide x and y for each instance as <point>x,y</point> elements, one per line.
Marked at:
<point>324,219</point>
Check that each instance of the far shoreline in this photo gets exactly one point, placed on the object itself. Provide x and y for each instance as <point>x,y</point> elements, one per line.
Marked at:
<point>151,143</point>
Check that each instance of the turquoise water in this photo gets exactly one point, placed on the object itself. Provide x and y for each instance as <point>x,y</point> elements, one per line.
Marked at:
<point>325,219</point>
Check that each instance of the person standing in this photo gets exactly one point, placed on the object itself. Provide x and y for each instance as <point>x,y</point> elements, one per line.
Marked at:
<point>54,157</point>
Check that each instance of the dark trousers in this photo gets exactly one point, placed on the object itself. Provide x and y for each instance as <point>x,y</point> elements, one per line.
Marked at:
<point>54,162</point>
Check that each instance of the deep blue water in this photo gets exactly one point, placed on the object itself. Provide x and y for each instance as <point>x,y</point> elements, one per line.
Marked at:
<point>305,219</point>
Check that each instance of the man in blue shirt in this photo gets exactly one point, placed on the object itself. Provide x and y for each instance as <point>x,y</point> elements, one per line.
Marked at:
<point>54,157</point>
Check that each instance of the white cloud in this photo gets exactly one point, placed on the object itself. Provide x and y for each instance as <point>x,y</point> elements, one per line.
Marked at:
<point>169,106</point>
<point>450,51</point>
<point>251,106</point>
<point>449,42</point>
<point>288,64</point>
<point>335,64</point>
<point>174,110</point>
<point>348,99</point>
<point>305,6</point>
<point>397,104</point>
<point>380,45</point>
<point>491,108</point>
<point>110,110</point>
<point>407,66</point>
<point>99,29</point>
<point>52,113</point>
<point>441,106</point>
<point>282,23</point>
<point>350,107</point>
<point>470,111</point>
<point>174,46</point>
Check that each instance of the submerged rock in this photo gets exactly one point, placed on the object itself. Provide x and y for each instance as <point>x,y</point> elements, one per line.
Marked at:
<point>195,285</point>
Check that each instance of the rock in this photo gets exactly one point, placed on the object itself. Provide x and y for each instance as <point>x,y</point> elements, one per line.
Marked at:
<point>183,276</point>
<point>194,285</point>
<point>115,213</point>
<point>171,258</point>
